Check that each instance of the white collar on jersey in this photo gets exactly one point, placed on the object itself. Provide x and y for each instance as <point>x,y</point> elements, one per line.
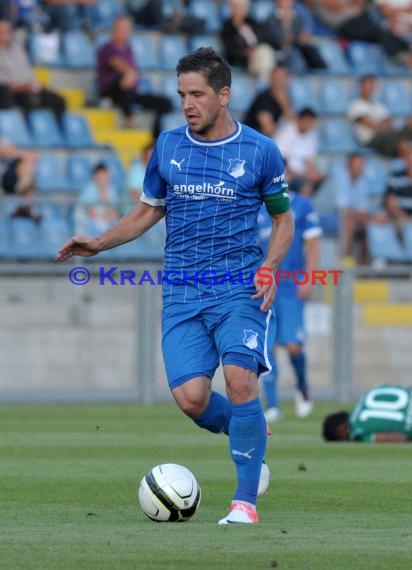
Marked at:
<point>217,141</point>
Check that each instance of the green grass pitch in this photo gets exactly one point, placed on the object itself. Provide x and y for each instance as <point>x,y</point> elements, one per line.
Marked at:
<point>68,495</point>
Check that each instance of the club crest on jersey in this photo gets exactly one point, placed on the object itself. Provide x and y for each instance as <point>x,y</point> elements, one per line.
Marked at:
<point>250,338</point>
<point>236,167</point>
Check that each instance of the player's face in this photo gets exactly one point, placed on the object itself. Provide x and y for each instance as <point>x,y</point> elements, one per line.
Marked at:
<point>201,105</point>
<point>342,431</point>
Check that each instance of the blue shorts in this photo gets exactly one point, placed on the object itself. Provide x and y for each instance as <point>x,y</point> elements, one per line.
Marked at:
<point>198,336</point>
<point>289,320</point>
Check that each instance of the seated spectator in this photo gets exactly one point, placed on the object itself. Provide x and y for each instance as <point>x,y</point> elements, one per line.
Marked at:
<point>135,177</point>
<point>372,123</point>
<point>240,38</point>
<point>65,15</point>
<point>28,14</point>
<point>352,21</point>
<point>298,142</point>
<point>271,104</point>
<point>179,19</point>
<point>147,13</point>
<point>101,201</point>
<point>118,77</point>
<point>17,77</point>
<point>397,14</point>
<point>284,30</point>
<point>398,197</point>
<point>353,201</point>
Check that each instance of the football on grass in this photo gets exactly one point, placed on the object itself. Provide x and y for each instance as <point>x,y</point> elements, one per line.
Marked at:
<point>169,493</point>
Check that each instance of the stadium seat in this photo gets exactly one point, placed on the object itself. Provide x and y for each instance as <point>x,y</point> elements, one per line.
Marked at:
<point>209,40</point>
<point>303,94</point>
<point>396,95</point>
<point>169,88</point>
<point>45,129</point>
<point>14,129</point>
<point>333,96</point>
<point>334,57</point>
<point>383,243</point>
<point>51,174</point>
<point>78,51</point>
<point>77,132</point>
<point>145,47</point>
<point>242,93</point>
<point>336,136</point>
<point>172,121</point>
<point>171,49</point>
<point>377,174</point>
<point>407,240</point>
<point>104,12</point>
<point>44,49</point>
<point>79,170</point>
<point>208,12</point>
<point>52,234</point>
<point>117,170</point>
<point>24,239</point>
<point>261,10</point>
<point>365,58</point>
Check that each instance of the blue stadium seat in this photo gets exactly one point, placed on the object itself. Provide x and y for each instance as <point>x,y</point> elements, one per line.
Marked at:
<point>44,49</point>
<point>117,170</point>
<point>336,137</point>
<point>14,129</point>
<point>242,93</point>
<point>207,11</point>
<point>78,51</point>
<point>334,57</point>
<point>261,10</point>
<point>79,170</point>
<point>52,234</point>
<point>383,243</point>
<point>77,132</point>
<point>45,129</point>
<point>377,174</point>
<point>396,95</point>
<point>169,88</point>
<point>407,240</point>
<point>24,241</point>
<point>51,174</point>
<point>104,12</point>
<point>303,94</point>
<point>4,239</point>
<point>171,49</point>
<point>207,40</point>
<point>333,96</point>
<point>365,58</point>
<point>145,47</point>
<point>172,121</point>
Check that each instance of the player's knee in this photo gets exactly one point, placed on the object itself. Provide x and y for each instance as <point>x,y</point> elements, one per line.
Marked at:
<point>294,349</point>
<point>192,398</point>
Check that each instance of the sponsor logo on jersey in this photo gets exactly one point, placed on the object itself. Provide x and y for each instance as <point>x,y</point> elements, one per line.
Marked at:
<point>236,167</point>
<point>280,178</point>
<point>250,338</point>
<point>205,190</point>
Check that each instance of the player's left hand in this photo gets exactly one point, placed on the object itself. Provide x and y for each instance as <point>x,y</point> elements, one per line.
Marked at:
<point>265,289</point>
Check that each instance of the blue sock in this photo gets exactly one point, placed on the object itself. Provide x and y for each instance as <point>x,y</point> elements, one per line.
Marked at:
<point>269,384</point>
<point>247,438</point>
<point>298,362</point>
<point>217,415</point>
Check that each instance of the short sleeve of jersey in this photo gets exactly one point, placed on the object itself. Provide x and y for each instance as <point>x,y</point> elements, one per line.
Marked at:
<point>154,186</point>
<point>273,170</point>
<point>310,221</point>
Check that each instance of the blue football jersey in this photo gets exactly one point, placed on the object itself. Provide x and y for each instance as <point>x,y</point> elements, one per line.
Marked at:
<point>306,227</point>
<point>212,192</point>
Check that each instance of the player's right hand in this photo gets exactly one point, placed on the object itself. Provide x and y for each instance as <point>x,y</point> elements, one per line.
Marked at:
<point>78,245</point>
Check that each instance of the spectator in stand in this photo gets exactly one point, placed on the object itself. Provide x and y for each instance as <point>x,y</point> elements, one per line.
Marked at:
<point>240,38</point>
<point>271,104</point>
<point>147,13</point>
<point>353,201</point>
<point>352,20</point>
<point>372,122</point>
<point>66,15</point>
<point>118,77</point>
<point>298,143</point>
<point>101,200</point>
<point>17,78</point>
<point>284,30</point>
<point>398,16</point>
<point>398,197</point>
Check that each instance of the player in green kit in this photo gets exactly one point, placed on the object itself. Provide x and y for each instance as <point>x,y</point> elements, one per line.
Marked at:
<point>383,414</point>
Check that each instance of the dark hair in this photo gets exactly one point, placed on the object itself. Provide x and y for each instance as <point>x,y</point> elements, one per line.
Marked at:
<point>205,60</point>
<point>331,424</point>
<point>307,112</point>
<point>99,166</point>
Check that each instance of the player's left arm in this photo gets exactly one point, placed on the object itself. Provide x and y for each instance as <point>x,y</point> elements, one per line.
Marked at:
<point>394,437</point>
<point>312,260</point>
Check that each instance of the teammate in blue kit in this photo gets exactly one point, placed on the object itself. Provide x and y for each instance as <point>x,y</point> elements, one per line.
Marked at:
<point>290,299</point>
<point>209,178</point>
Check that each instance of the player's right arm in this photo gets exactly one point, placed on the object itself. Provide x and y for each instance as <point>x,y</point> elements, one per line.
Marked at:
<point>130,227</point>
<point>390,437</point>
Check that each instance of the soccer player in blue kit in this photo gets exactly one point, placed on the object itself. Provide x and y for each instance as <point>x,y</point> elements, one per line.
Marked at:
<point>297,266</point>
<point>209,178</point>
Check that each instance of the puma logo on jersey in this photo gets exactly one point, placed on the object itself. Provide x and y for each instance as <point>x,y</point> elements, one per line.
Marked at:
<point>175,163</point>
<point>243,453</point>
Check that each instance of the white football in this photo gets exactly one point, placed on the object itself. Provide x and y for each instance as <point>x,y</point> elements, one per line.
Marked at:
<point>169,493</point>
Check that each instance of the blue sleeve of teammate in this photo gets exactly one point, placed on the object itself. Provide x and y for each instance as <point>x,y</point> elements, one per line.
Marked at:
<point>154,186</point>
<point>310,222</point>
